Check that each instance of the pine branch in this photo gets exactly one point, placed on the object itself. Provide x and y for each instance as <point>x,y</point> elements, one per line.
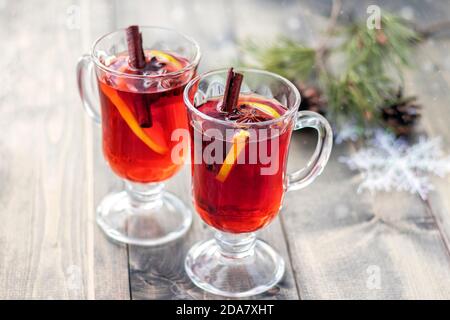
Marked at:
<point>371,72</point>
<point>373,63</point>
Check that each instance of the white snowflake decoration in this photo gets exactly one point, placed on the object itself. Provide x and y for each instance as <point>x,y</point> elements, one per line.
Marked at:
<point>391,164</point>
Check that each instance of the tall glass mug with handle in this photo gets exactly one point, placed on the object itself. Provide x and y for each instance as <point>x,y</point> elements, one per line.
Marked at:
<point>140,74</point>
<point>239,174</point>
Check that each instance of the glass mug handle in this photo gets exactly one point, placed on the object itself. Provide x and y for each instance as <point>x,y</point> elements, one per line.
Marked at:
<point>303,177</point>
<point>86,86</point>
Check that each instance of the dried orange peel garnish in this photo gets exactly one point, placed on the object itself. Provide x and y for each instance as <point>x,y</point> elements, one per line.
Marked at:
<point>232,155</point>
<point>152,137</point>
<point>264,108</point>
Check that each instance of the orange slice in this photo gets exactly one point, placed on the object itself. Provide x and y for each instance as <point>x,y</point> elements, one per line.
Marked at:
<point>152,137</point>
<point>232,155</point>
<point>264,108</point>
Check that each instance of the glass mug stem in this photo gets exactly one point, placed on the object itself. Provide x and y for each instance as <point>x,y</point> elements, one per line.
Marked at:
<point>145,194</point>
<point>235,245</point>
<point>303,177</point>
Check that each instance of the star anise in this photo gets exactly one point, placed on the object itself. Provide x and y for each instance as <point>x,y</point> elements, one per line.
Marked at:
<point>246,114</point>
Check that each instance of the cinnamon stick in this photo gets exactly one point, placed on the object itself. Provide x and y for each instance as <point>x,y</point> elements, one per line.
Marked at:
<point>135,50</point>
<point>137,61</point>
<point>232,89</point>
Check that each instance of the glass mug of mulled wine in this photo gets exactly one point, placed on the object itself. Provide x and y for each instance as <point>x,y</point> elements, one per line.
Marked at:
<point>241,125</point>
<point>140,74</point>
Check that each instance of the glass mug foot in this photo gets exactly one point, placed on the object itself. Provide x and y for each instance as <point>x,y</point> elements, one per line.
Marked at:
<point>234,265</point>
<point>143,215</point>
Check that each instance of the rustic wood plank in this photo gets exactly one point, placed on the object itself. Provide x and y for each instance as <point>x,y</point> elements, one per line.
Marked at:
<point>111,260</point>
<point>50,245</point>
<point>159,273</point>
<point>47,235</point>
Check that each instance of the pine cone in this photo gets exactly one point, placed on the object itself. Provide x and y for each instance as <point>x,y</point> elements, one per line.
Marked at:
<point>312,99</point>
<point>401,115</point>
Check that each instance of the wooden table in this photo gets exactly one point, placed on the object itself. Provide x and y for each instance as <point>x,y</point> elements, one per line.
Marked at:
<point>336,243</point>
